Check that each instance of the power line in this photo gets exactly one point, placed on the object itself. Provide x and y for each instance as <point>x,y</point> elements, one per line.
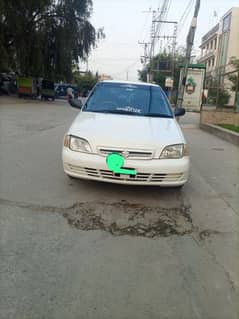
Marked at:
<point>155,30</point>
<point>156,26</point>
<point>125,69</point>
<point>113,59</point>
<point>144,28</point>
<point>184,16</point>
<point>159,19</point>
<point>182,19</point>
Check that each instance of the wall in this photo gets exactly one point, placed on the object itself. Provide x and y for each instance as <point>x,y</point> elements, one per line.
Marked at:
<point>219,117</point>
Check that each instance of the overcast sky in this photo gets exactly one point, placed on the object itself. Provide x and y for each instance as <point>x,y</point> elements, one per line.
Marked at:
<point>125,24</point>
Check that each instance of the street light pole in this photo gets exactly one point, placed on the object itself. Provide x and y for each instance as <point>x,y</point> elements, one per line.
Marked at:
<point>190,41</point>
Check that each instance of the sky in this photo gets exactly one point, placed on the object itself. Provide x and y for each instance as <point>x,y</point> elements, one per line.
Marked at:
<point>127,22</point>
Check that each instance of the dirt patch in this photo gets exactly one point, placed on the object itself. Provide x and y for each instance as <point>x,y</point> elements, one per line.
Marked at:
<point>123,218</point>
<point>130,219</point>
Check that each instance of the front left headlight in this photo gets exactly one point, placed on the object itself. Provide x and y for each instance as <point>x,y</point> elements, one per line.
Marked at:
<point>77,144</point>
<point>174,151</point>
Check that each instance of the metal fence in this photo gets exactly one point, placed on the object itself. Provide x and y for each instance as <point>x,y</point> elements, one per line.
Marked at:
<point>221,89</point>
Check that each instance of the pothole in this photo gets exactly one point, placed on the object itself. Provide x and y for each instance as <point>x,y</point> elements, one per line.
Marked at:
<point>130,219</point>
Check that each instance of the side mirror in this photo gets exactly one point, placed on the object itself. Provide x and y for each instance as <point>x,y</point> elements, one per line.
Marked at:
<point>179,111</point>
<point>75,103</point>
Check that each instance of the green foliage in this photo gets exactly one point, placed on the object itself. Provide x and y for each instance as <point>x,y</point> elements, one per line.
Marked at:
<point>191,81</point>
<point>46,37</point>
<point>234,128</point>
<point>142,74</point>
<point>222,98</point>
<point>234,78</point>
<point>234,62</point>
<point>86,81</point>
<point>167,66</point>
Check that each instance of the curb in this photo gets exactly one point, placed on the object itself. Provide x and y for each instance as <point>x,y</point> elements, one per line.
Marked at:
<point>221,132</point>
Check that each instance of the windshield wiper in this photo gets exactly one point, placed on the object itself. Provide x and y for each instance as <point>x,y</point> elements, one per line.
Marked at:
<point>105,111</point>
<point>158,115</point>
<point>96,111</point>
<point>114,112</point>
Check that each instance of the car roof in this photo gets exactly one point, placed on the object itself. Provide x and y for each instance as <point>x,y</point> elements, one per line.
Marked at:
<point>129,82</point>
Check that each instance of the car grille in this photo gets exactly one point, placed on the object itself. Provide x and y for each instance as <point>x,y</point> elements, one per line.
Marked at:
<point>109,175</point>
<point>131,153</point>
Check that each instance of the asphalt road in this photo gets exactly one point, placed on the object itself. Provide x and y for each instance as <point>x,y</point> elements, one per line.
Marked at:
<point>81,249</point>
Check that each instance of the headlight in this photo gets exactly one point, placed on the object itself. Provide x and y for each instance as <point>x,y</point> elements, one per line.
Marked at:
<point>77,144</point>
<point>174,151</point>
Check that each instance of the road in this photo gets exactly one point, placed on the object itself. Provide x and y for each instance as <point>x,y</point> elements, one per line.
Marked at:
<point>80,249</point>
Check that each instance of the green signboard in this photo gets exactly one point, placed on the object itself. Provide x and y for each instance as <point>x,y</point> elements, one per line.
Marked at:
<point>24,82</point>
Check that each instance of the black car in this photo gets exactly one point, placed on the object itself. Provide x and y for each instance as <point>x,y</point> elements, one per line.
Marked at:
<point>61,90</point>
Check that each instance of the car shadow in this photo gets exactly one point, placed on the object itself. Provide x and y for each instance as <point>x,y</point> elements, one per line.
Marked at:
<point>113,192</point>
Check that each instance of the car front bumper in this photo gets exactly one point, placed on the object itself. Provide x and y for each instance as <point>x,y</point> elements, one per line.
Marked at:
<point>163,172</point>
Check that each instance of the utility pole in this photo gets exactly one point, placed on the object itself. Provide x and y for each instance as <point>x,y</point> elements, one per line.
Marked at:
<point>174,43</point>
<point>144,58</point>
<point>155,31</point>
<point>190,41</point>
<point>158,18</point>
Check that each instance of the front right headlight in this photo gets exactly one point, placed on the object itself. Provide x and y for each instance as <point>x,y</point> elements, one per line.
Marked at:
<point>174,151</point>
<point>77,144</point>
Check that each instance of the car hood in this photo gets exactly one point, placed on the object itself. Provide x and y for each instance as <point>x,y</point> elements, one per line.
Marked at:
<point>126,131</point>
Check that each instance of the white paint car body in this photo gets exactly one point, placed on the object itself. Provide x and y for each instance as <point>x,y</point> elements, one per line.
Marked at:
<point>140,139</point>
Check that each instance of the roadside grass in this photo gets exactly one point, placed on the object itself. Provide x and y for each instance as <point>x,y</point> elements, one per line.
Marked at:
<point>234,128</point>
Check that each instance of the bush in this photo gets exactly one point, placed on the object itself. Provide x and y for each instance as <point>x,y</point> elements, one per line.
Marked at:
<point>223,97</point>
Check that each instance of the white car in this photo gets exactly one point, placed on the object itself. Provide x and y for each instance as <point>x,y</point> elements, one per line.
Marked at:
<point>127,133</point>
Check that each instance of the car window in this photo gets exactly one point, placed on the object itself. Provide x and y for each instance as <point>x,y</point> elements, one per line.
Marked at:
<point>132,99</point>
<point>159,102</point>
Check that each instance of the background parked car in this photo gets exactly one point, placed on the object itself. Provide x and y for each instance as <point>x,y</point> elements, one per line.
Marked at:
<point>8,83</point>
<point>47,90</point>
<point>61,90</point>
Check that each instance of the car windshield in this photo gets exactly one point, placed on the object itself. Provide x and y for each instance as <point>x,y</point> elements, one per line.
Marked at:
<point>130,99</point>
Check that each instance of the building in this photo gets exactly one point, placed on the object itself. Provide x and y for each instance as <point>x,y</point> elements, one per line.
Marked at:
<point>104,77</point>
<point>209,48</point>
<point>218,46</point>
<point>221,42</point>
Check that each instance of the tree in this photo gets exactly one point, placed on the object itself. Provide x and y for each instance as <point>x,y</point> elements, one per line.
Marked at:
<point>167,65</point>
<point>234,78</point>
<point>46,37</point>
<point>86,81</point>
<point>217,95</point>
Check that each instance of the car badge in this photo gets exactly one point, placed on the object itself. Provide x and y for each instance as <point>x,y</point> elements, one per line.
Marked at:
<point>125,154</point>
